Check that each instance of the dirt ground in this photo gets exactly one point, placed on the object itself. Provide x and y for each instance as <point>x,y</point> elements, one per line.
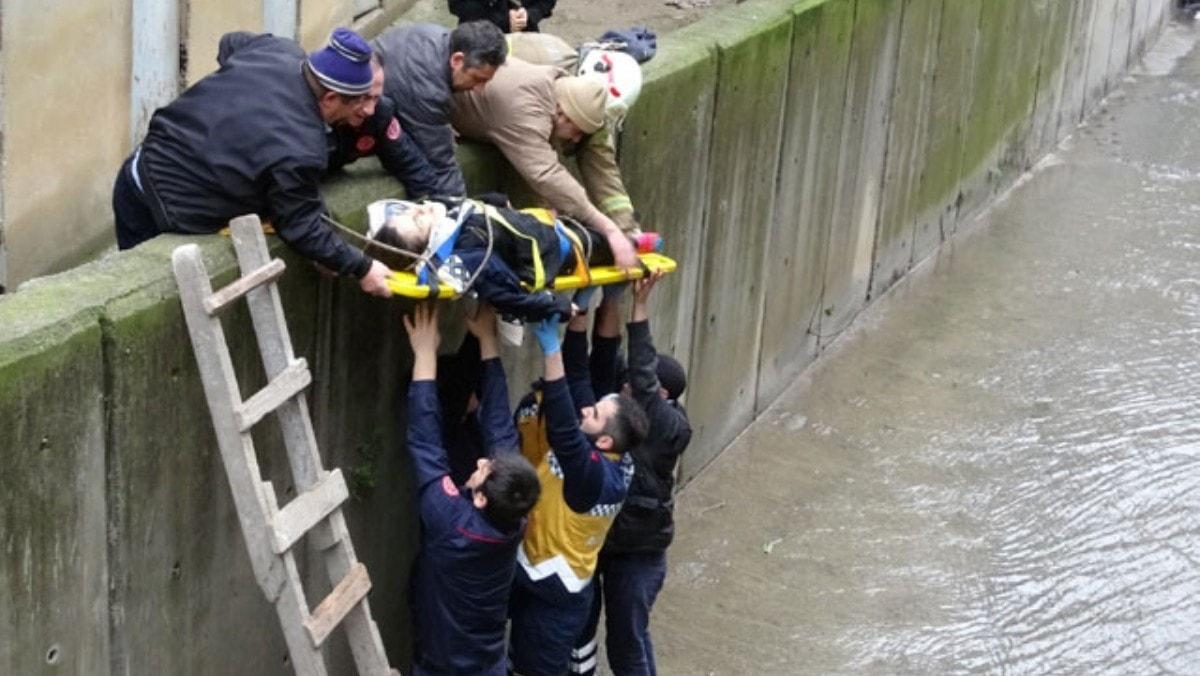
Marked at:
<point>577,21</point>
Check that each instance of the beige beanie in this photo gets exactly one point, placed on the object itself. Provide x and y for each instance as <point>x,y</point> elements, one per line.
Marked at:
<point>583,100</point>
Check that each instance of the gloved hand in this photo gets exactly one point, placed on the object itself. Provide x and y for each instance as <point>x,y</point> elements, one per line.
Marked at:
<point>546,332</point>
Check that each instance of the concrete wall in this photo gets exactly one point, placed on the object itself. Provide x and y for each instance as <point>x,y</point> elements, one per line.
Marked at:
<point>801,156</point>
<point>66,81</point>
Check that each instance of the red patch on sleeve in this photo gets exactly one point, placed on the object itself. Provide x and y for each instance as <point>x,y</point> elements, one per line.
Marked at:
<point>393,130</point>
<point>364,144</point>
<point>448,486</point>
<point>595,457</point>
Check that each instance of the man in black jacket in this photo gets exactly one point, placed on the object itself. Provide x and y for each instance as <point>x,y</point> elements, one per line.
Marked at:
<point>380,134</point>
<point>633,563</point>
<point>510,16</point>
<point>250,138</point>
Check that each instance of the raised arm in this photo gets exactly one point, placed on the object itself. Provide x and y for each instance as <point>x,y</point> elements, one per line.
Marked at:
<point>606,345</point>
<point>424,415</point>
<point>495,416</point>
<point>575,363</point>
<point>644,386</point>
<point>582,468</point>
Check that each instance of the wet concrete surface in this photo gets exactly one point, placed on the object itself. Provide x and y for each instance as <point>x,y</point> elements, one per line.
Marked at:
<point>996,469</point>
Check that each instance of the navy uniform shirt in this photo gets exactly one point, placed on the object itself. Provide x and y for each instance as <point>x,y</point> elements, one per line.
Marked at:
<point>383,136</point>
<point>465,568</point>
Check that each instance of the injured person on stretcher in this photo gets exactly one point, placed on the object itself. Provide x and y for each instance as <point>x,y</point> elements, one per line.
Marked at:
<point>507,257</point>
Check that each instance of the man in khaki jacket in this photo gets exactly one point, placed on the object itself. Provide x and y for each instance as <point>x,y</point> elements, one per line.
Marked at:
<point>532,113</point>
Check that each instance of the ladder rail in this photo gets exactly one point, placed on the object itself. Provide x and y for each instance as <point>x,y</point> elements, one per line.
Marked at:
<point>220,387</point>
<point>317,509</point>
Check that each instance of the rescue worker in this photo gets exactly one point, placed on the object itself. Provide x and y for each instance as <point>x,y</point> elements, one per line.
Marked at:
<point>579,446</point>
<point>531,112</point>
<point>383,136</point>
<point>380,135</point>
<point>250,138</point>
<point>425,64</point>
<point>633,563</point>
<point>469,534</point>
<point>510,16</point>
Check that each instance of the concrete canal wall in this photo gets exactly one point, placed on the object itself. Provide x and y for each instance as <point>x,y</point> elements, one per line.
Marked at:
<point>800,158</point>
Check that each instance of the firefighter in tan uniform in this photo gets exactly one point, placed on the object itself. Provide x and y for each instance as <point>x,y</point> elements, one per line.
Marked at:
<point>536,114</point>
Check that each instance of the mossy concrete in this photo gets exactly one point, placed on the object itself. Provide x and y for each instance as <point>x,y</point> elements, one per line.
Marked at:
<point>870,78</point>
<point>664,156</point>
<point>754,52</point>
<point>798,155</point>
<point>1100,49</point>
<point>907,139</point>
<point>800,229</point>
<point>937,200</point>
<point>54,579</point>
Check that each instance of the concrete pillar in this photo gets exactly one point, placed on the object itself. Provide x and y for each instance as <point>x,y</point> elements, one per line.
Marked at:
<point>155,66</point>
<point>3,162</point>
<point>281,17</point>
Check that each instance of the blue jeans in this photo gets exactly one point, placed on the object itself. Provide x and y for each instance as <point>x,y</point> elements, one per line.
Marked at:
<point>546,620</point>
<point>626,585</point>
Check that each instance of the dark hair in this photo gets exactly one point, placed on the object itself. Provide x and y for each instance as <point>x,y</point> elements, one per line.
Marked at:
<point>481,44</point>
<point>392,238</point>
<point>628,427</point>
<point>511,489</point>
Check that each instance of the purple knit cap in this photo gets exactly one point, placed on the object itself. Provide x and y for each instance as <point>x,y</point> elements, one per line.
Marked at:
<point>344,65</point>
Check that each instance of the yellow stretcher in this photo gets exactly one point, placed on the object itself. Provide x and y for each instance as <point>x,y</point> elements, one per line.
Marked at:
<point>405,283</point>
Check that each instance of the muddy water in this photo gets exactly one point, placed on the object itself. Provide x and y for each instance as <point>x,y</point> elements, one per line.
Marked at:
<point>998,469</point>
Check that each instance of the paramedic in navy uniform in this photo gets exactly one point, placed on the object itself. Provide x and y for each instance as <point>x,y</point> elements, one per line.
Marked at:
<point>251,138</point>
<point>470,533</point>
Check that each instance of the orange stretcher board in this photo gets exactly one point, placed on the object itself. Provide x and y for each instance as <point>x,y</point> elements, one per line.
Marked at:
<point>405,283</point>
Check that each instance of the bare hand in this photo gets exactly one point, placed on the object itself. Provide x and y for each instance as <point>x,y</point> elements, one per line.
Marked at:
<point>483,324</point>
<point>422,330</point>
<point>643,286</point>
<point>375,281</point>
<point>623,253</point>
<point>518,19</point>
<point>641,295</point>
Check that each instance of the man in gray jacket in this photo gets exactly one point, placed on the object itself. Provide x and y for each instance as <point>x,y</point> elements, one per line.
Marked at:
<point>424,65</point>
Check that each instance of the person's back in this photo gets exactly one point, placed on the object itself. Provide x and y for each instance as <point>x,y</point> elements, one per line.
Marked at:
<point>424,65</point>
<point>252,116</point>
<point>416,63</point>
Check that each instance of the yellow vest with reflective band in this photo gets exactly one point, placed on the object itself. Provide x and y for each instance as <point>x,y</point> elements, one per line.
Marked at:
<point>558,541</point>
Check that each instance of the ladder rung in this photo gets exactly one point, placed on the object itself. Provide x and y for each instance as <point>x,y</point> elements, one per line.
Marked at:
<point>307,510</point>
<point>329,614</point>
<point>227,295</point>
<point>290,382</point>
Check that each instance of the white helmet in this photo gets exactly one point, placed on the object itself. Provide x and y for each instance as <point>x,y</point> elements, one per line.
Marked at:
<point>621,75</point>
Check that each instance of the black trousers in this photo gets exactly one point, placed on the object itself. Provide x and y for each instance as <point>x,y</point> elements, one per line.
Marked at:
<point>131,207</point>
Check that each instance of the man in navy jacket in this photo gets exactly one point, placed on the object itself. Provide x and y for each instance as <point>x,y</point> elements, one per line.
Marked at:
<point>250,138</point>
<point>470,533</point>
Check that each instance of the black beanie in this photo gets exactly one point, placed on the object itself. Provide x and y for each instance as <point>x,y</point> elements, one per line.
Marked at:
<point>671,376</point>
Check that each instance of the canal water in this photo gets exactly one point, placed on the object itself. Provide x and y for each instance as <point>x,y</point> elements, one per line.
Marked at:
<point>997,469</point>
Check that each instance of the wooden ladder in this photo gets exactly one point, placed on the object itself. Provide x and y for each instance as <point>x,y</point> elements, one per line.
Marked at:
<point>272,532</point>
